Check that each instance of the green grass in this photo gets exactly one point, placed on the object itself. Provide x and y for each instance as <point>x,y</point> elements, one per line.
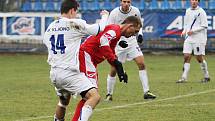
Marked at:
<point>26,91</point>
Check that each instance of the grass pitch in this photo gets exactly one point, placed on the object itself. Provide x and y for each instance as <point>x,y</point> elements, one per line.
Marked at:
<point>27,94</point>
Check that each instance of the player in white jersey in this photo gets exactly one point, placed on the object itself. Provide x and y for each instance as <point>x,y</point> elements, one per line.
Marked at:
<point>132,52</point>
<point>195,32</point>
<point>63,38</point>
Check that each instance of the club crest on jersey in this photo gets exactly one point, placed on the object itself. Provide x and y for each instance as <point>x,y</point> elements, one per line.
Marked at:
<point>24,26</point>
<point>75,25</point>
<point>91,74</point>
<point>110,35</point>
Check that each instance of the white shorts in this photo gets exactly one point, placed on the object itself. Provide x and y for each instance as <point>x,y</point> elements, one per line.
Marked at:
<point>197,48</point>
<point>67,82</point>
<point>128,53</point>
<point>87,67</point>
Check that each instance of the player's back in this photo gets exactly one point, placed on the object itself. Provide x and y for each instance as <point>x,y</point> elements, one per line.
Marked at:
<point>108,37</point>
<point>62,39</point>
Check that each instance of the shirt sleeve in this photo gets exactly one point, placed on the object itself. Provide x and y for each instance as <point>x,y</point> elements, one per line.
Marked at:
<point>106,37</point>
<point>139,16</point>
<point>111,17</point>
<point>186,21</point>
<point>204,21</point>
<point>108,54</point>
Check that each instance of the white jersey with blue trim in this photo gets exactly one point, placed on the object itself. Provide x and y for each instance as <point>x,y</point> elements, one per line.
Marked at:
<point>117,16</point>
<point>63,39</point>
<point>199,27</point>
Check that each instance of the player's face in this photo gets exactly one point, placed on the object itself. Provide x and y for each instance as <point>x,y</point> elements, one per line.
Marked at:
<point>131,31</point>
<point>194,3</point>
<point>125,4</point>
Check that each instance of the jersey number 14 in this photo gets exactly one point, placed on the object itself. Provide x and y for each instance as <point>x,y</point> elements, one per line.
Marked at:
<point>59,45</point>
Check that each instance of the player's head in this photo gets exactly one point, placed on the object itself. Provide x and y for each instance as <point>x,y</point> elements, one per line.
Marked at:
<point>131,26</point>
<point>125,4</point>
<point>69,7</point>
<point>194,3</point>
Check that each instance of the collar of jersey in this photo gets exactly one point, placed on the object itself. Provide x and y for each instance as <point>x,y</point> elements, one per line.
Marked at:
<point>195,8</point>
<point>120,9</point>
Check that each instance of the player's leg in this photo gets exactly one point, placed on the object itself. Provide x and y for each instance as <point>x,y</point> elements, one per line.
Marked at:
<point>64,99</point>
<point>187,50</point>
<point>135,53</point>
<point>88,92</point>
<point>93,99</point>
<point>78,110</point>
<point>199,51</point>
<point>143,77</point>
<point>111,80</point>
<point>64,96</point>
<point>87,67</point>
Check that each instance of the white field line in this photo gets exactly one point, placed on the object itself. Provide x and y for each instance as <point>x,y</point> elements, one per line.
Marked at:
<point>139,103</point>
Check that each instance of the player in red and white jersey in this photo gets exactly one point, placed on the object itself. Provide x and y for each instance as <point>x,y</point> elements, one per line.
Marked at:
<point>63,39</point>
<point>98,48</point>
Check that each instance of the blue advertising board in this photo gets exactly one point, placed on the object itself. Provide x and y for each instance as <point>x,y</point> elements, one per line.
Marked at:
<point>1,25</point>
<point>23,26</point>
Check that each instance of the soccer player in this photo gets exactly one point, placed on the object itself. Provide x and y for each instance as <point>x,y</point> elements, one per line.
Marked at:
<point>132,52</point>
<point>195,32</point>
<point>96,49</point>
<point>63,38</point>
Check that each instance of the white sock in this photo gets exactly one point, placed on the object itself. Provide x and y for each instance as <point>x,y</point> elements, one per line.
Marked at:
<point>144,80</point>
<point>55,119</point>
<point>110,84</point>
<point>186,70</point>
<point>204,68</point>
<point>86,112</point>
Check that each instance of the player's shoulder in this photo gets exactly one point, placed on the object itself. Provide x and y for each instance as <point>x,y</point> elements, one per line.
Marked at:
<point>134,8</point>
<point>116,10</point>
<point>201,10</point>
<point>113,29</point>
<point>74,20</point>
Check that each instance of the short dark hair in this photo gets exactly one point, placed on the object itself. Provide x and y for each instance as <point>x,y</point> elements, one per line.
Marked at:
<point>67,5</point>
<point>133,20</point>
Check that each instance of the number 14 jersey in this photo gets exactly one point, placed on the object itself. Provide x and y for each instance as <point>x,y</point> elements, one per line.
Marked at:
<point>63,38</point>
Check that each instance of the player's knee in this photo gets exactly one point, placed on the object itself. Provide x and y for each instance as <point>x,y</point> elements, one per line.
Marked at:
<point>141,66</point>
<point>199,59</point>
<point>62,104</point>
<point>97,98</point>
<point>64,100</point>
<point>113,72</point>
<point>187,58</point>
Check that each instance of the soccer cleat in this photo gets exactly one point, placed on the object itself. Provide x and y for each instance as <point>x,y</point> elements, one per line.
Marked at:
<point>205,80</point>
<point>149,95</point>
<point>108,97</point>
<point>182,80</point>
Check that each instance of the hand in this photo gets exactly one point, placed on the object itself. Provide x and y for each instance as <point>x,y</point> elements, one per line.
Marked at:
<point>183,34</point>
<point>104,12</point>
<point>189,33</point>
<point>140,38</point>
<point>120,71</point>
<point>123,77</point>
<point>123,44</point>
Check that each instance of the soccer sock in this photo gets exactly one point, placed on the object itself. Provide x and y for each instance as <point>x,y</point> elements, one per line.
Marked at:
<point>204,68</point>
<point>144,80</point>
<point>186,70</point>
<point>110,84</point>
<point>55,119</point>
<point>78,110</point>
<point>86,112</point>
